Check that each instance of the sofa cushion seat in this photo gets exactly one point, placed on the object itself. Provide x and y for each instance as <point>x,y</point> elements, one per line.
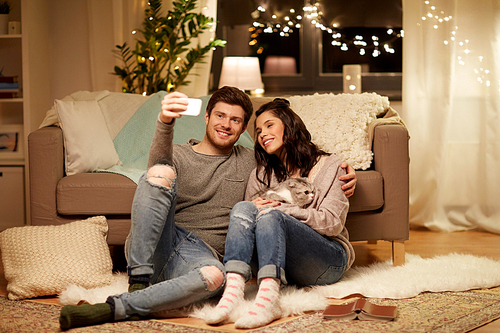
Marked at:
<point>112,194</point>
<point>95,194</point>
<point>369,192</point>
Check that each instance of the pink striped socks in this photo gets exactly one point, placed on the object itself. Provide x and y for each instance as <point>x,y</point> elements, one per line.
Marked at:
<point>265,308</point>
<point>232,296</point>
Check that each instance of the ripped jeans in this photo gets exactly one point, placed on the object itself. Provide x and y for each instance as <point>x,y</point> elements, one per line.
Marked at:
<point>282,247</point>
<point>169,254</point>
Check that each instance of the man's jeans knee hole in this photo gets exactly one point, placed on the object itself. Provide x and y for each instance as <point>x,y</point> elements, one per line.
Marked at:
<point>157,179</point>
<point>213,276</point>
<point>163,175</point>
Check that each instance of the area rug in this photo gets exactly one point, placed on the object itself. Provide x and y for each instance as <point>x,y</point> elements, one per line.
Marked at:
<point>453,272</point>
<point>27,316</point>
<point>427,312</point>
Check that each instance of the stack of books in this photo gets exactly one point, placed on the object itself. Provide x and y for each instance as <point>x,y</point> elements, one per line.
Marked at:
<point>9,87</point>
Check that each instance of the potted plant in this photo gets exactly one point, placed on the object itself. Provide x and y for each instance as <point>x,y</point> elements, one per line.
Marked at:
<point>4,16</point>
<point>163,57</point>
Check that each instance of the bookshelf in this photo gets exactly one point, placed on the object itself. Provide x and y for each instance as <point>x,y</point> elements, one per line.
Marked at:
<point>12,118</point>
<point>25,55</point>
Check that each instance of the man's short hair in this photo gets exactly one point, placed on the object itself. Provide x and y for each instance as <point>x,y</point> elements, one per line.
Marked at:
<point>232,96</point>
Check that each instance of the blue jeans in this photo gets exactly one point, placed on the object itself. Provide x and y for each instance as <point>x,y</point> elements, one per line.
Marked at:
<point>169,254</point>
<point>283,247</point>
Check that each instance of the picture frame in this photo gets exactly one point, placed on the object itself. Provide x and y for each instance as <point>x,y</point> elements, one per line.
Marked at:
<point>11,142</point>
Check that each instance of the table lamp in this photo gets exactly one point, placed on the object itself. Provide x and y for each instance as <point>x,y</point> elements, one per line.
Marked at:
<point>243,73</point>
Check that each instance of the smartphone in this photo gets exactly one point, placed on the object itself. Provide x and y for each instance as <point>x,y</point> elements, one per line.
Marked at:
<point>194,107</point>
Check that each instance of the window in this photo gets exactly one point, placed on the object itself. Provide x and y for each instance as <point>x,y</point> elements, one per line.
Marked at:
<point>301,54</point>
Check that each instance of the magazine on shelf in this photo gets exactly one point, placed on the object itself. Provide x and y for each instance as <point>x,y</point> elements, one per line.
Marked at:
<point>360,309</point>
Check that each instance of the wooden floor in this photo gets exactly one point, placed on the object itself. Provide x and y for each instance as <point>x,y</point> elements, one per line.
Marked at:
<point>425,243</point>
<point>428,244</point>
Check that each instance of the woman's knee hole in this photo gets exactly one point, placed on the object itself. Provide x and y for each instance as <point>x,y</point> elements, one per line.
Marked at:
<point>265,211</point>
<point>161,175</point>
<point>213,276</point>
<point>244,220</point>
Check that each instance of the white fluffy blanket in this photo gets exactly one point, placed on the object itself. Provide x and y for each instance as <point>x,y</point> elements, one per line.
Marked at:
<point>342,123</point>
<point>453,272</point>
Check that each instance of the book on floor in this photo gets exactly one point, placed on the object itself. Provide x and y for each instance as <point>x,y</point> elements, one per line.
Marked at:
<point>360,309</point>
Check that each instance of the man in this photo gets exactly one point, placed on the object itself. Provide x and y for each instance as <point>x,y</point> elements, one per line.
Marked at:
<point>180,213</point>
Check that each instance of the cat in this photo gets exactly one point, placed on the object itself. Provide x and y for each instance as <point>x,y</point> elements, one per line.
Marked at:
<point>297,191</point>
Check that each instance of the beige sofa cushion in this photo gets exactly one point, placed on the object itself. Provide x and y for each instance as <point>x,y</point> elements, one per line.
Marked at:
<point>95,194</point>
<point>112,194</point>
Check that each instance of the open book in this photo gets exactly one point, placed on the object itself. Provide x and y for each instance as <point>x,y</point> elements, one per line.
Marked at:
<point>360,309</point>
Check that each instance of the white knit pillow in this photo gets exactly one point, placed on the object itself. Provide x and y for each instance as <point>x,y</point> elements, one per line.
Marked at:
<point>44,260</point>
<point>87,143</point>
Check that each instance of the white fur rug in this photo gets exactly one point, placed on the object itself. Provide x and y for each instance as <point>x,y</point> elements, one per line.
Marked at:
<point>453,272</point>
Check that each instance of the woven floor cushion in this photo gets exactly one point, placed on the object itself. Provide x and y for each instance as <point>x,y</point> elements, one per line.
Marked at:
<point>44,260</point>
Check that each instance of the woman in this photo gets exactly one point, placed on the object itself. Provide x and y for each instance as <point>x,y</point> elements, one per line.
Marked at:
<point>302,246</point>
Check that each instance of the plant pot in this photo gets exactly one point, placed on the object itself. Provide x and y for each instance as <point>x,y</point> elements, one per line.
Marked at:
<point>4,24</point>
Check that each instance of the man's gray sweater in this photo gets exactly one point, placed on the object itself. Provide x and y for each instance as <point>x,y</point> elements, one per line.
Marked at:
<point>208,186</point>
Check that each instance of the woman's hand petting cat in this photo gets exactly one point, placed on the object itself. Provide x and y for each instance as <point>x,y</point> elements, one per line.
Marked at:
<point>259,202</point>
<point>350,178</point>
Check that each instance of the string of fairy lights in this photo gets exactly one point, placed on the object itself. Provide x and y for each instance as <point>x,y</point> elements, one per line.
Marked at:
<point>291,22</point>
<point>439,20</point>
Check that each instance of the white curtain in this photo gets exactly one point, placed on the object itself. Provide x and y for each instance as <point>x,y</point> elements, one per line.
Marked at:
<point>112,22</point>
<point>451,99</point>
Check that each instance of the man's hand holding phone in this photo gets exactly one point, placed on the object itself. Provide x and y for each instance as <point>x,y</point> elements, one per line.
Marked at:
<point>176,104</point>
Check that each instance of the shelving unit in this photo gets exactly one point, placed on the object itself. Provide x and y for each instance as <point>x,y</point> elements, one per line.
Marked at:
<point>27,55</point>
<point>13,194</point>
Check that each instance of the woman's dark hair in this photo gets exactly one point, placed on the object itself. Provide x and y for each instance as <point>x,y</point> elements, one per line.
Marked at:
<point>232,96</point>
<point>300,152</point>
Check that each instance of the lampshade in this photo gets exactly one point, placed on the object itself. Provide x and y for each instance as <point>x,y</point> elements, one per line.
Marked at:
<point>241,72</point>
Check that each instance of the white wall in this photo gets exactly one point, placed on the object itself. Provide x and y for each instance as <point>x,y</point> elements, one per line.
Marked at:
<point>69,43</point>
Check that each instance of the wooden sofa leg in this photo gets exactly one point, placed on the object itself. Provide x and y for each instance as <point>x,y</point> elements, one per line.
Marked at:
<point>398,253</point>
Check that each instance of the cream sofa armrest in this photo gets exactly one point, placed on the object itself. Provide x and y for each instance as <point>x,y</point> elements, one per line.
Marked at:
<point>391,159</point>
<point>46,168</point>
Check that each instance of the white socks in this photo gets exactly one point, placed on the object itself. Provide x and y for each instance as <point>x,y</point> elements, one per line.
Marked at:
<point>232,296</point>
<point>264,310</point>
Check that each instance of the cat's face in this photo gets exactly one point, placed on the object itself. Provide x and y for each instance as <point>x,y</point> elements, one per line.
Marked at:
<point>302,192</point>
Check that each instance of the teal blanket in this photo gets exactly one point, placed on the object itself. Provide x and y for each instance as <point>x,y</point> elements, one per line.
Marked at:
<point>133,142</point>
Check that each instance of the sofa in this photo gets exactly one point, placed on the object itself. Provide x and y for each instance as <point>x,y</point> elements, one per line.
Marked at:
<point>378,209</point>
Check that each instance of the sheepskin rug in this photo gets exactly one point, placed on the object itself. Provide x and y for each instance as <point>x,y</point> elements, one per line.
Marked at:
<point>453,272</point>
